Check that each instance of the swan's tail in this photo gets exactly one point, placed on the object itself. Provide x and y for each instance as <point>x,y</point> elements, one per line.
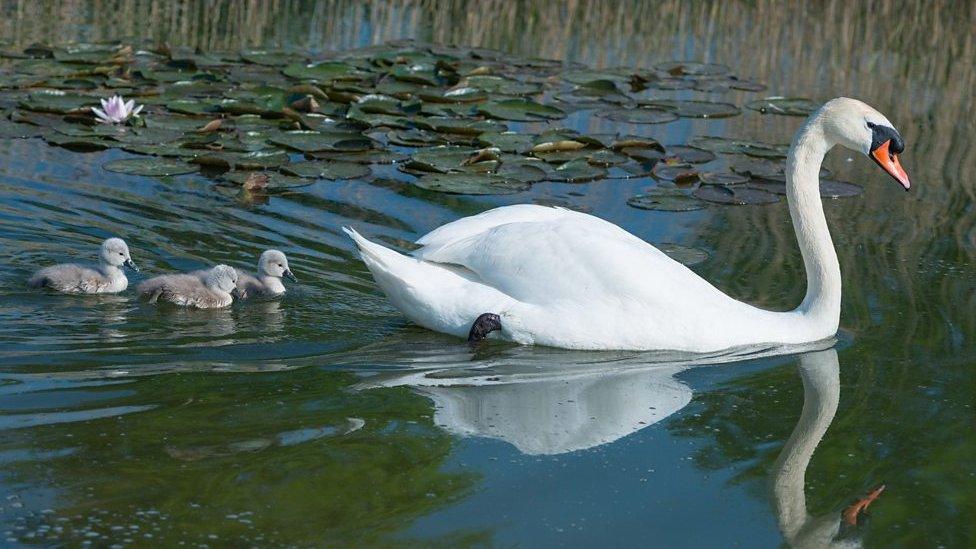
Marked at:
<point>377,257</point>
<point>431,295</point>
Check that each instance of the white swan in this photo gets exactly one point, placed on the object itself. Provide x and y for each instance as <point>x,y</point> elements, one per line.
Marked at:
<point>556,277</point>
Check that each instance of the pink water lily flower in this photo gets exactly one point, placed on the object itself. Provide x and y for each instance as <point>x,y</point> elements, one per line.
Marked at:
<point>116,110</point>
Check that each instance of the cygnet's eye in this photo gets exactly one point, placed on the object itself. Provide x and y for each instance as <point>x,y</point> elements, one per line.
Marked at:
<point>120,253</point>
<point>280,265</point>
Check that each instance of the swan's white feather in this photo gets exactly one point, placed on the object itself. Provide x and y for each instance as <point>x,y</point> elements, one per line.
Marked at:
<point>560,278</point>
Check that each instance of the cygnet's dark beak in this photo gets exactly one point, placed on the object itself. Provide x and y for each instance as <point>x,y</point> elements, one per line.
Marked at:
<point>288,274</point>
<point>238,293</point>
<point>131,264</point>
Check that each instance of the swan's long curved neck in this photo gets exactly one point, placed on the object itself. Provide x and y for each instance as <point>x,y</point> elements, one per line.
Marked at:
<point>821,305</point>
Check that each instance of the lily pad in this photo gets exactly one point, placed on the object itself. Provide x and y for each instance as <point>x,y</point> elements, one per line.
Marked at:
<point>312,141</point>
<point>640,115</point>
<point>327,170</point>
<point>460,126</point>
<point>372,156</point>
<point>524,110</point>
<point>470,183</point>
<point>58,102</point>
<point>739,196</point>
<point>195,106</point>
<point>150,166</point>
<point>675,172</point>
<point>274,180</point>
<point>323,72</point>
<point>740,146</point>
<point>500,85</point>
<point>719,178</point>
<point>511,142</point>
<point>415,138</point>
<point>829,188</point>
<point>788,106</point>
<point>525,170</point>
<point>668,200</point>
<point>690,155</point>
<point>257,160</point>
<point>696,109</point>
<point>579,171</point>
<point>271,58</point>
<point>441,159</point>
<point>692,68</point>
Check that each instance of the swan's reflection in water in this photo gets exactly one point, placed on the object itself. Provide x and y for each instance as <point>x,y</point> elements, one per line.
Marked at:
<point>820,372</point>
<point>581,403</point>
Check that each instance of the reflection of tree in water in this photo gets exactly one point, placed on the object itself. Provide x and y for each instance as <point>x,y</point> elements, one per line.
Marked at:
<point>289,457</point>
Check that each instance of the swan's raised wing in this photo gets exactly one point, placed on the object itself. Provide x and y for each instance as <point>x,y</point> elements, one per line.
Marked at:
<point>565,256</point>
<point>478,224</point>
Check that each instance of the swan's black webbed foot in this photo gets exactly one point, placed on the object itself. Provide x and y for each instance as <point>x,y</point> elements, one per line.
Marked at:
<point>484,325</point>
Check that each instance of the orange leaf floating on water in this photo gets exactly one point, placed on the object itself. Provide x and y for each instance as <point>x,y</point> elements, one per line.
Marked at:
<point>852,512</point>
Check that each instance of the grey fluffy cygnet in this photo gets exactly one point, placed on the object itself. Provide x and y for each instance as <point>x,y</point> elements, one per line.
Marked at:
<point>272,266</point>
<point>105,278</point>
<point>212,291</point>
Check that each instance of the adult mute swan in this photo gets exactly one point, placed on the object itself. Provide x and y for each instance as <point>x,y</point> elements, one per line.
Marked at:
<point>551,276</point>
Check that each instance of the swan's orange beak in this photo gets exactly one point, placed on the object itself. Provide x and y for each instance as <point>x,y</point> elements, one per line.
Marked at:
<point>889,163</point>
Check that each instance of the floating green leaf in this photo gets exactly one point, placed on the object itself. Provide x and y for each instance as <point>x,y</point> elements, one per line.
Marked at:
<point>692,68</point>
<point>150,166</point>
<point>323,72</point>
<point>312,141</point>
<point>257,160</point>
<point>789,106</point>
<point>274,180</point>
<point>641,115</point>
<point>524,110</point>
<point>738,196</point>
<point>327,170</point>
<point>690,155</point>
<point>470,183</point>
<point>579,171</point>
<point>719,178</point>
<point>695,109</point>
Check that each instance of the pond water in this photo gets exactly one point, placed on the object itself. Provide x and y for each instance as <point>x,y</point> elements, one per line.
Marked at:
<point>326,418</point>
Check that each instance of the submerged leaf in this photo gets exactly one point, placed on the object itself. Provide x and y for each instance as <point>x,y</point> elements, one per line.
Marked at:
<point>669,200</point>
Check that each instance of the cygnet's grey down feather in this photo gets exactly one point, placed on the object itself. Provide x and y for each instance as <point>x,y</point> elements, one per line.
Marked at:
<point>272,266</point>
<point>106,277</point>
<point>189,290</point>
